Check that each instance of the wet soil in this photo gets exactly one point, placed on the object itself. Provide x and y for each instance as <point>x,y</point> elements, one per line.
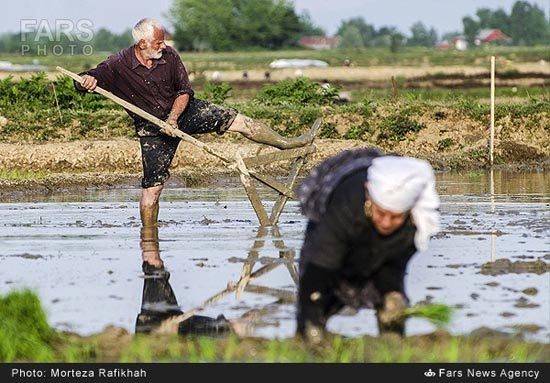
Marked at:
<point>113,163</point>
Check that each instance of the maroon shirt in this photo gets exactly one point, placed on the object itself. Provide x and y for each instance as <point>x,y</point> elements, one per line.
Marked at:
<point>153,90</point>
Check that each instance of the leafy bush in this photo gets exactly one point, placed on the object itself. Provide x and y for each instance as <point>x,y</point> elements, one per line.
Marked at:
<point>38,93</point>
<point>357,132</point>
<point>473,108</point>
<point>445,143</point>
<point>216,93</point>
<point>396,127</point>
<point>297,91</point>
<point>329,131</point>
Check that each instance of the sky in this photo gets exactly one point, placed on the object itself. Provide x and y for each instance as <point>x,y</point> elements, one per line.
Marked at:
<point>443,15</point>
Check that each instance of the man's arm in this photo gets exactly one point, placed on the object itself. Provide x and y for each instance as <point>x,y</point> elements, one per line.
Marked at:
<point>180,103</point>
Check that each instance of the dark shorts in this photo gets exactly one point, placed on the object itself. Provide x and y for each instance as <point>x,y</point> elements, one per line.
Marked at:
<point>158,149</point>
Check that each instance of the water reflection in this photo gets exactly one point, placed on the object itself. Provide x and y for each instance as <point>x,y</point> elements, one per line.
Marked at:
<point>504,185</point>
<point>493,232</point>
<point>161,313</point>
<point>286,257</point>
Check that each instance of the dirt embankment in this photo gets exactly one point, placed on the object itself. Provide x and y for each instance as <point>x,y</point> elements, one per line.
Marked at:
<point>118,161</point>
<point>448,139</point>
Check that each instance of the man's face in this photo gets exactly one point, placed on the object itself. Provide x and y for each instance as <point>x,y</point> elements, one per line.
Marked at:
<point>154,48</point>
<point>386,221</point>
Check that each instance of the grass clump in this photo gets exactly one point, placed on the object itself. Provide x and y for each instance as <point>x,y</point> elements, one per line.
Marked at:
<point>24,330</point>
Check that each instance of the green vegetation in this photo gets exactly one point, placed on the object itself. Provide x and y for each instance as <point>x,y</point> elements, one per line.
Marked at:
<point>24,330</point>
<point>438,314</point>
<point>21,174</point>
<point>197,62</point>
<point>297,91</point>
<point>227,25</point>
<point>26,336</point>
<point>526,23</point>
<point>397,127</point>
<point>230,25</point>
<point>42,109</point>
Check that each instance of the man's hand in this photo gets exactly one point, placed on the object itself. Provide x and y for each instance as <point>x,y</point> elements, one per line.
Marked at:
<point>88,82</point>
<point>173,124</point>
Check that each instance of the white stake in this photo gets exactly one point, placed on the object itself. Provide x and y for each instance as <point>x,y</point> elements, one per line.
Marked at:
<point>492,140</point>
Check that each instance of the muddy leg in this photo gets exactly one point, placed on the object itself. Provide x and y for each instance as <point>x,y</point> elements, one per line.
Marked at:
<point>259,132</point>
<point>149,205</point>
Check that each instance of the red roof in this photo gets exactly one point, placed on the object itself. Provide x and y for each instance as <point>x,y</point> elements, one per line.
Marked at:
<point>489,35</point>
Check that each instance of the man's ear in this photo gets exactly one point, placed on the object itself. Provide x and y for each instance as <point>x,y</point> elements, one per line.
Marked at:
<point>142,44</point>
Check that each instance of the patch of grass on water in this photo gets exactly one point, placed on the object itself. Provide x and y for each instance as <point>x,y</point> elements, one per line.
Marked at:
<point>24,331</point>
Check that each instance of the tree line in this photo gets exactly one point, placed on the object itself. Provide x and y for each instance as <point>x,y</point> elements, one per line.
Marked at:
<point>526,25</point>
<point>230,25</point>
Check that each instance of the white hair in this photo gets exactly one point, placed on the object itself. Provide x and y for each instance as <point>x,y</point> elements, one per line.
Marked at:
<point>144,30</point>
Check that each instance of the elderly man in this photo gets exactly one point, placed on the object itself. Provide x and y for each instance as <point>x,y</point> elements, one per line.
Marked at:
<point>368,214</point>
<point>152,76</point>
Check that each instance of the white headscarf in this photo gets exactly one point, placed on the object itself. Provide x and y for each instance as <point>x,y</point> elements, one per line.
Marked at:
<point>400,184</point>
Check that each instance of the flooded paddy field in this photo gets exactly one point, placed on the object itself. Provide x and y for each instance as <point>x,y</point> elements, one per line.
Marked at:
<point>82,253</point>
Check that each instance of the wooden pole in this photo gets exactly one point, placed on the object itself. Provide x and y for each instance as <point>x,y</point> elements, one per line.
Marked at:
<point>492,140</point>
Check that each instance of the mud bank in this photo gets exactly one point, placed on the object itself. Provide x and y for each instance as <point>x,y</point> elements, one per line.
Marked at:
<point>117,162</point>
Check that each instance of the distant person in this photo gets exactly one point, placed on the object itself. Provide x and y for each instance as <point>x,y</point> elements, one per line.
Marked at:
<point>152,76</point>
<point>267,75</point>
<point>347,62</point>
<point>368,213</point>
<point>245,75</point>
<point>216,76</point>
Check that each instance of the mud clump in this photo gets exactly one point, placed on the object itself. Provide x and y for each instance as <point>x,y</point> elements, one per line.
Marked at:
<point>505,266</point>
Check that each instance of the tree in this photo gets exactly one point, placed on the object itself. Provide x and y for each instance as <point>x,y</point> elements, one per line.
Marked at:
<point>421,36</point>
<point>223,25</point>
<point>350,37</point>
<point>203,24</point>
<point>528,24</point>
<point>309,28</point>
<point>366,31</point>
<point>396,41</point>
<point>106,41</point>
<point>471,29</point>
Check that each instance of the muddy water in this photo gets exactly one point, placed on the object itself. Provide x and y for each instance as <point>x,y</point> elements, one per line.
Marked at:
<point>82,254</point>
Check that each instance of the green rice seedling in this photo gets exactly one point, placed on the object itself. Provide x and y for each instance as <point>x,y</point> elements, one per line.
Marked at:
<point>139,351</point>
<point>438,314</point>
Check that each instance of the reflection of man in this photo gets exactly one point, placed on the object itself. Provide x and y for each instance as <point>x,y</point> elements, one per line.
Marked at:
<point>368,214</point>
<point>159,301</point>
